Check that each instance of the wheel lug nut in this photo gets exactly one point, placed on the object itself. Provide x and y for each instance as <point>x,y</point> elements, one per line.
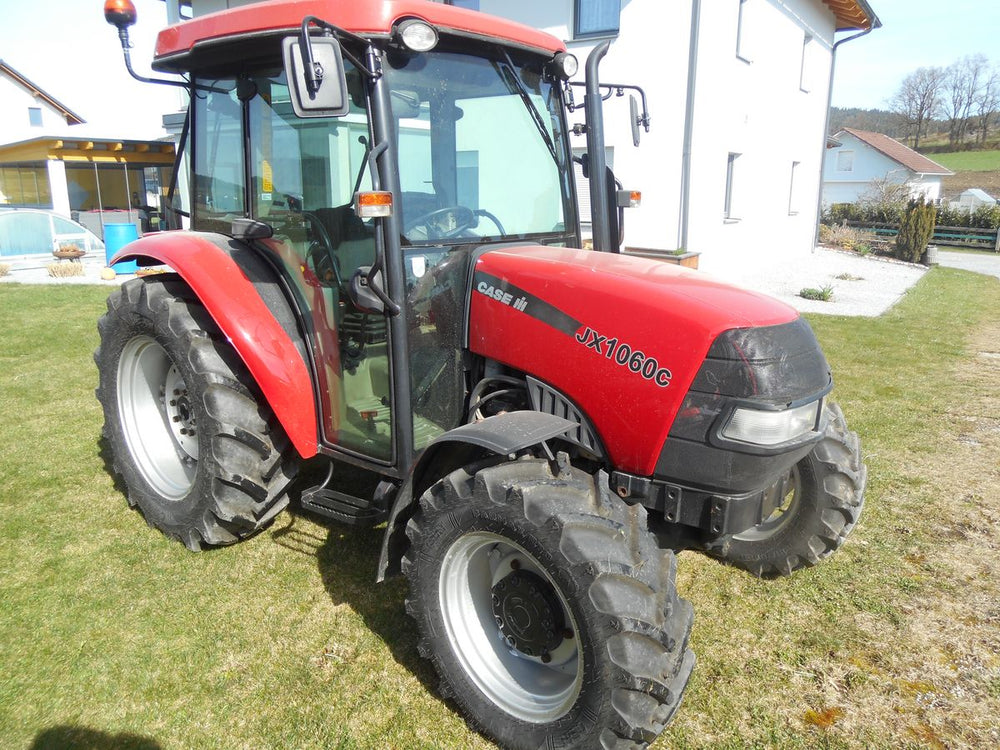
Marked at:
<point>499,621</point>
<point>567,633</point>
<point>173,402</point>
<point>546,657</point>
<point>177,392</point>
<point>176,418</point>
<point>515,564</point>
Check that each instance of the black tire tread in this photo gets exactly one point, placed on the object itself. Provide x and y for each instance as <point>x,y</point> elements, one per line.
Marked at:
<point>841,476</point>
<point>608,552</point>
<point>250,462</point>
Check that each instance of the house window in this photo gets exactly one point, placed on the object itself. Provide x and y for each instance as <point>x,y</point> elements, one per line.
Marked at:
<point>35,117</point>
<point>742,48</point>
<point>793,199</point>
<point>729,212</point>
<point>470,4</point>
<point>845,161</point>
<point>805,68</point>
<point>597,17</point>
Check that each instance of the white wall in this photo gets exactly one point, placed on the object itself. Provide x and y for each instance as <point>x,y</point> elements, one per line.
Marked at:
<point>14,123</point>
<point>763,108</point>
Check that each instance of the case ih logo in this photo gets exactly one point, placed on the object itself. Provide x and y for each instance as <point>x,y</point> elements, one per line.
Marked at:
<point>622,354</point>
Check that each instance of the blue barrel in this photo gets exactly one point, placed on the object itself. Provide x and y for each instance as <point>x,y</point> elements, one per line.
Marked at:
<point>117,236</point>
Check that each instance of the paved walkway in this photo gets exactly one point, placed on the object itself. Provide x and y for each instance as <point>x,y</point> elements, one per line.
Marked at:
<point>981,262</point>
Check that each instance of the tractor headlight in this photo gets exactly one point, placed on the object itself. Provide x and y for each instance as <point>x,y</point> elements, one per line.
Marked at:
<point>417,35</point>
<point>759,427</point>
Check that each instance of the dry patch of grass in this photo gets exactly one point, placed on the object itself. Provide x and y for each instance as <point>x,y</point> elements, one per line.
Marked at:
<point>895,641</point>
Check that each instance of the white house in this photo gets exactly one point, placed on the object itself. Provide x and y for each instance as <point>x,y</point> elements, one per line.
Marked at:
<point>861,159</point>
<point>28,110</point>
<point>738,94</point>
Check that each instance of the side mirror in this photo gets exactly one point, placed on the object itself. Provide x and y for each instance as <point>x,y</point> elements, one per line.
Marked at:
<point>633,108</point>
<point>317,83</point>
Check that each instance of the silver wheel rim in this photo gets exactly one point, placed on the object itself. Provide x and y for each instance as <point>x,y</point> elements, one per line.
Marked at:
<point>781,502</point>
<point>523,686</point>
<point>157,418</point>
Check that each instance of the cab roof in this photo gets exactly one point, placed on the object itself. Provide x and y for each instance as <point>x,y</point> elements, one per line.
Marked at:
<point>363,18</point>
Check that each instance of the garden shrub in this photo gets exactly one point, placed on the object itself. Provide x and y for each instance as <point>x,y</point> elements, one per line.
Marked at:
<point>916,227</point>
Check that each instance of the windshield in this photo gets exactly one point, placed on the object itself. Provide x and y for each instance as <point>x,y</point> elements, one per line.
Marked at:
<point>481,149</point>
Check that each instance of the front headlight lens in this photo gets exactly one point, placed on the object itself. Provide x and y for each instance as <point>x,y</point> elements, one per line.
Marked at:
<point>771,427</point>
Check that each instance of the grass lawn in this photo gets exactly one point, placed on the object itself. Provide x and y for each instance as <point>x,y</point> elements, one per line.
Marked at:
<point>969,161</point>
<point>114,636</point>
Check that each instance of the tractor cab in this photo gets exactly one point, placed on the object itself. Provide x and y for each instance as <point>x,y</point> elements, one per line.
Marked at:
<point>373,208</point>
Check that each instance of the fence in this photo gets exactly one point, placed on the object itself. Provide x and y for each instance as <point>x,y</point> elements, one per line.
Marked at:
<point>972,237</point>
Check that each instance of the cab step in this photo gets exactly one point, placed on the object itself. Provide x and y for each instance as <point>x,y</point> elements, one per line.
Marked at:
<point>354,511</point>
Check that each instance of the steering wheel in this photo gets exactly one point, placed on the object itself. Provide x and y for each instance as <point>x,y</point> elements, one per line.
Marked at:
<point>464,218</point>
<point>321,252</point>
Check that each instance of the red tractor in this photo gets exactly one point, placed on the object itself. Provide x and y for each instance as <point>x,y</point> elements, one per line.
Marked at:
<point>384,275</point>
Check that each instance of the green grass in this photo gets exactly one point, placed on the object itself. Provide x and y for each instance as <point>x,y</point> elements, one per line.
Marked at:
<point>114,636</point>
<point>969,161</point>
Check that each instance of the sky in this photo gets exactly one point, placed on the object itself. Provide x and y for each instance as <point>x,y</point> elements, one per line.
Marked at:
<point>81,62</point>
<point>914,34</point>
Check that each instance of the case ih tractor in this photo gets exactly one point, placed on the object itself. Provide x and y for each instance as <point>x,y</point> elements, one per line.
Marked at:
<point>384,276</point>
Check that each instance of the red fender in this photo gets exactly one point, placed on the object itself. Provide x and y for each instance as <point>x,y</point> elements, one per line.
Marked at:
<point>261,342</point>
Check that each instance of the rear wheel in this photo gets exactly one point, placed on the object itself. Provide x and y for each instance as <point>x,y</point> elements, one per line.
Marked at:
<point>200,456</point>
<point>547,608</point>
<point>808,513</point>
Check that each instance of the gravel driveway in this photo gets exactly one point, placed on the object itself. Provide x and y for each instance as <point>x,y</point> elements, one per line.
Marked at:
<point>862,286</point>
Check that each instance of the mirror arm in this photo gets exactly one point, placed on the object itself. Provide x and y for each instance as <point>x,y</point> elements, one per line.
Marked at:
<point>312,79</point>
<point>609,90</point>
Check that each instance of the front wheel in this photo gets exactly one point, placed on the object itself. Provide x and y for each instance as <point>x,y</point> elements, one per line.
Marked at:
<point>808,513</point>
<point>201,456</point>
<point>547,608</point>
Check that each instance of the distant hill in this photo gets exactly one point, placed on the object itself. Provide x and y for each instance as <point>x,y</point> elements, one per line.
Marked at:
<point>875,120</point>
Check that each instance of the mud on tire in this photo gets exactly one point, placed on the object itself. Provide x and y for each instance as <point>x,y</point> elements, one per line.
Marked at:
<point>547,608</point>
<point>817,506</point>
<point>200,455</point>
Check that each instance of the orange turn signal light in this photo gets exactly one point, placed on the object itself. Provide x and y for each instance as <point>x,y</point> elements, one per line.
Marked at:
<point>629,198</point>
<point>373,204</point>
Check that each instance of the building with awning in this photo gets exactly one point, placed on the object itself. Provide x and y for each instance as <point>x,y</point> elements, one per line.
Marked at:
<point>72,176</point>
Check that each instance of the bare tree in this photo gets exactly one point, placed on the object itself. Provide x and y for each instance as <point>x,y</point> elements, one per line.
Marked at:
<point>918,99</point>
<point>986,103</point>
<point>961,88</point>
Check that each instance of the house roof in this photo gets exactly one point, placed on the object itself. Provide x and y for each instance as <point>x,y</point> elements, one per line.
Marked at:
<point>898,152</point>
<point>71,117</point>
<point>853,14</point>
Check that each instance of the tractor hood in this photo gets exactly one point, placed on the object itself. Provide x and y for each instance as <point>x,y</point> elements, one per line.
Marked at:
<point>621,337</point>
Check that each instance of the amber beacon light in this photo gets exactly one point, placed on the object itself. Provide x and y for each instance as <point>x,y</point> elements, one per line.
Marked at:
<point>119,13</point>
